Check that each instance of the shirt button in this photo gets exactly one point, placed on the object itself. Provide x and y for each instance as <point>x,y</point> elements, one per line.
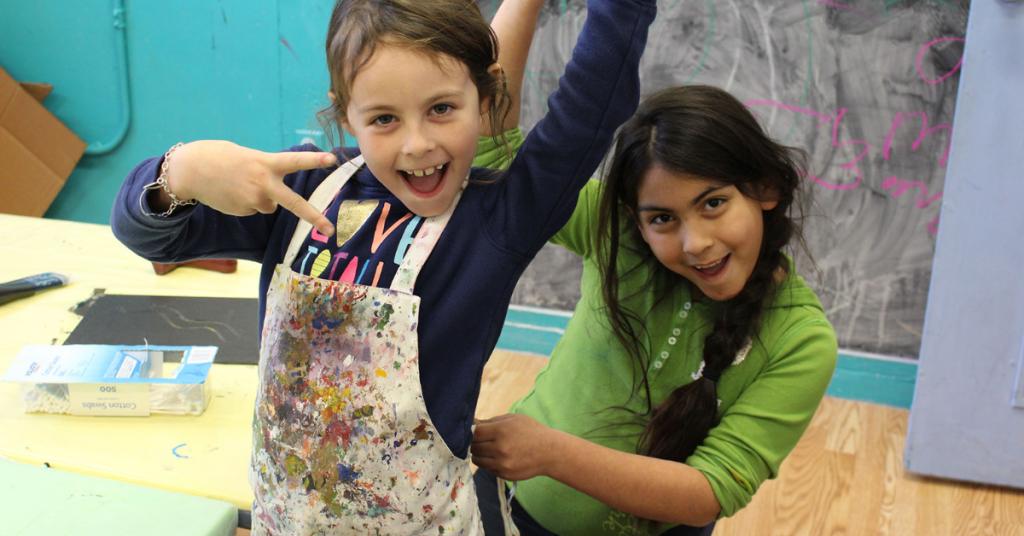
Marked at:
<point>664,355</point>
<point>657,364</point>
<point>676,331</point>
<point>687,306</point>
<point>672,340</point>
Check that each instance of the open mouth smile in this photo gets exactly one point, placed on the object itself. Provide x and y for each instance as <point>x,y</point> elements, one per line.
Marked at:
<point>425,182</point>
<point>712,269</point>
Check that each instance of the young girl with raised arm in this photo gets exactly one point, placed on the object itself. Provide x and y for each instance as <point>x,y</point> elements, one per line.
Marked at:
<point>696,355</point>
<point>386,279</point>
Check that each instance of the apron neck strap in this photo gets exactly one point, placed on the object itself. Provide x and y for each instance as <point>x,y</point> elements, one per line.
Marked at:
<point>320,199</point>
<point>421,247</point>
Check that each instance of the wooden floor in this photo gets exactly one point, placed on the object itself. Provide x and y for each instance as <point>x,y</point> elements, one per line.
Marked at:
<point>845,476</point>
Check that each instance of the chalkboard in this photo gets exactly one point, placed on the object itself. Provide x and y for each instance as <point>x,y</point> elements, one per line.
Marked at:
<point>867,88</point>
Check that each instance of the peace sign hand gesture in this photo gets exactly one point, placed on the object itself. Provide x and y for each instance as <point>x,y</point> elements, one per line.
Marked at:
<point>240,181</point>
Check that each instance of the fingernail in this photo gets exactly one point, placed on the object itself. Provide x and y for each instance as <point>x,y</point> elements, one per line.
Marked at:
<point>329,230</point>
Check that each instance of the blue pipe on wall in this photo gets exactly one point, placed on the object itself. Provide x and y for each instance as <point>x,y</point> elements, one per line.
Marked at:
<point>121,66</point>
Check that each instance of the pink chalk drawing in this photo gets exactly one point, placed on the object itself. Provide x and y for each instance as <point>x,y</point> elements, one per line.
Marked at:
<point>836,121</point>
<point>922,133</point>
<point>919,60</point>
<point>895,186</point>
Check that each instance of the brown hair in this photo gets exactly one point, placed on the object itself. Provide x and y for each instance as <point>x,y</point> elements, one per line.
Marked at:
<point>453,28</point>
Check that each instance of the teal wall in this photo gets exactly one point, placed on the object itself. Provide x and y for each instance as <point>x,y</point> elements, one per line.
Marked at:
<point>252,72</point>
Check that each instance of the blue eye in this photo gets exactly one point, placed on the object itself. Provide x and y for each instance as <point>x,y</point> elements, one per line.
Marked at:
<point>441,109</point>
<point>384,120</point>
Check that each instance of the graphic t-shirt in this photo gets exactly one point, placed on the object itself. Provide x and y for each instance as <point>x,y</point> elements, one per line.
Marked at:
<point>370,241</point>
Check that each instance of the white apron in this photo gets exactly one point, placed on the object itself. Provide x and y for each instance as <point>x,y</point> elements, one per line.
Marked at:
<point>342,440</point>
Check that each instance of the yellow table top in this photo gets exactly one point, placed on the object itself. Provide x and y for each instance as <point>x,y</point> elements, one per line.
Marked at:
<point>204,455</point>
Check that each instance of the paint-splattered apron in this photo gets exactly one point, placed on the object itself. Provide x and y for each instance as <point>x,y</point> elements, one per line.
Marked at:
<point>343,443</point>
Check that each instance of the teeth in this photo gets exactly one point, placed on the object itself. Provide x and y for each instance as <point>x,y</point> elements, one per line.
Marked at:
<point>707,266</point>
<point>425,172</point>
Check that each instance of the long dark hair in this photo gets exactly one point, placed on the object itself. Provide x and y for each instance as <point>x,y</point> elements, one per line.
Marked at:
<point>705,132</point>
<point>454,28</point>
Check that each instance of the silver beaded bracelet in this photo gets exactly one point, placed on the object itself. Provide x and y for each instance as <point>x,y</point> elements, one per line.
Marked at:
<point>161,182</point>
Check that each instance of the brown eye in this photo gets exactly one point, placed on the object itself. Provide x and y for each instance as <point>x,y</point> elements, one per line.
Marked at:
<point>659,219</point>
<point>714,203</point>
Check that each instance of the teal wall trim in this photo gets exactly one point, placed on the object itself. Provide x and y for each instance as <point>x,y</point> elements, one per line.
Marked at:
<point>858,376</point>
<point>531,330</point>
<point>877,379</point>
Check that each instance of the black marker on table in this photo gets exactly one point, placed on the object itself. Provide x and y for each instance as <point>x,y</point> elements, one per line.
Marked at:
<point>27,286</point>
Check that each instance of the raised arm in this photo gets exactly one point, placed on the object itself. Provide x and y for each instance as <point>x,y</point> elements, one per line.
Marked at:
<point>514,24</point>
<point>599,90</point>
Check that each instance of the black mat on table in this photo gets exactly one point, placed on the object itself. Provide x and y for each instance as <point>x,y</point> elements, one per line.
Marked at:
<point>230,324</point>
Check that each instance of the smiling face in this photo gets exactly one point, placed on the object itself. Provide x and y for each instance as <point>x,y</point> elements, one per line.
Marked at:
<point>704,230</point>
<point>416,118</point>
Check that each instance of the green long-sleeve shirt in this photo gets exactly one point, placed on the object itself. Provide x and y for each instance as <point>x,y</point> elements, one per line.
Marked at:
<point>768,396</point>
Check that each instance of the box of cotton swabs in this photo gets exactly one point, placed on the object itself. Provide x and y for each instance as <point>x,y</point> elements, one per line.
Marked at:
<point>112,380</point>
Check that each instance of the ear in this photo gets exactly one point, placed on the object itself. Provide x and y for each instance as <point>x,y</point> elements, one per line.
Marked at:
<point>769,199</point>
<point>497,72</point>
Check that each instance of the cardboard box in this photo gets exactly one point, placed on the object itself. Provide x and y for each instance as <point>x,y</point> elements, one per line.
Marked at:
<point>37,152</point>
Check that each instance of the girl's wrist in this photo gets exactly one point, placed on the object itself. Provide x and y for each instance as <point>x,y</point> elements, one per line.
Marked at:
<point>174,169</point>
<point>557,449</point>
<point>159,195</point>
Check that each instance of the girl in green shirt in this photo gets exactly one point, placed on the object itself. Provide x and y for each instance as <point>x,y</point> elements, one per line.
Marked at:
<point>696,355</point>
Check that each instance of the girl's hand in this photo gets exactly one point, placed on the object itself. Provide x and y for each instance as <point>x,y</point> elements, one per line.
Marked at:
<point>514,447</point>
<point>240,181</point>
